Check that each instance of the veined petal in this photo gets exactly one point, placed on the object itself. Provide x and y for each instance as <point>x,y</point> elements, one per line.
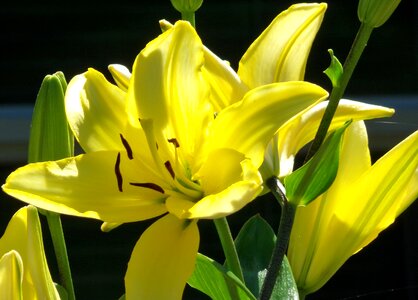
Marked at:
<point>301,129</point>
<point>167,87</point>
<point>162,260</point>
<point>238,184</point>
<point>281,51</point>
<point>225,85</point>
<point>353,211</point>
<point>121,75</point>
<point>96,111</point>
<point>100,185</point>
<point>23,234</point>
<point>248,125</point>
<point>11,276</point>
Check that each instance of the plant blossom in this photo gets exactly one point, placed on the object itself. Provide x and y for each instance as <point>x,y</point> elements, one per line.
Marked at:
<point>363,200</point>
<point>24,272</point>
<point>161,148</point>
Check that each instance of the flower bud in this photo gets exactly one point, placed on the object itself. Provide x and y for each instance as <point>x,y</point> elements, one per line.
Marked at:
<point>50,135</point>
<point>376,12</point>
<point>186,6</point>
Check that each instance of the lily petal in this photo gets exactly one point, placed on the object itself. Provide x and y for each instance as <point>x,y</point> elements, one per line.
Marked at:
<point>23,234</point>
<point>162,260</point>
<point>92,185</point>
<point>281,51</point>
<point>301,129</point>
<point>96,111</point>
<point>248,125</point>
<point>362,202</point>
<point>237,184</point>
<point>168,88</point>
<point>121,75</point>
<point>11,276</point>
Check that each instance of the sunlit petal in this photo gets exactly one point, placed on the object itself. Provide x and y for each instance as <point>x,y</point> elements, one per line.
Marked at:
<point>96,111</point>
<point>281,51</point>
<point>162,260</point>
<point>11,276</point>
<point>23,234</point>
<point>301,129</point>
<point>248,125</point>
<point>88,186</point>
<point>121,75</point>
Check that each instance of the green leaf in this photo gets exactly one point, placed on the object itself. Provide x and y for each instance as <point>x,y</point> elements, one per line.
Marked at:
<point>335,70</point>
<point>315,177</point>
<point>255,243</point>
<point>212,279</point>
<point>285,287</point>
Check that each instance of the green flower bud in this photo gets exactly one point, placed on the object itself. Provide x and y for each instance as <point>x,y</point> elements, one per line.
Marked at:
<point>186,6</point>
<point>50,135</point>
<point>376,12</point>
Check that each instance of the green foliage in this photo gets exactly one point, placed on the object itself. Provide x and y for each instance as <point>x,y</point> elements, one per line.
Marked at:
<point>214,280</point>
<point>335,70</point>
<point>315,177</point>
<point>255,244</point>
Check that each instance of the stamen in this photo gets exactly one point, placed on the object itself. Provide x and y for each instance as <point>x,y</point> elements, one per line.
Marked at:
<point>169,168</point>
<point>148,185</point>
<point>174,142</point>
<point>127,146</point>
<point>118,173</point>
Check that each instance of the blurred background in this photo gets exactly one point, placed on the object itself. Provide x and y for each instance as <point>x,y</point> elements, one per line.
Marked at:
<point>42,37</point>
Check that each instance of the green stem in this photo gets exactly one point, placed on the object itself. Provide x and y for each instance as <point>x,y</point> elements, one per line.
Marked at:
<point>337,93</point>
<point>228,247</point>
<point>58,240</point>
<point>189,16</point>
<point>283,235</point>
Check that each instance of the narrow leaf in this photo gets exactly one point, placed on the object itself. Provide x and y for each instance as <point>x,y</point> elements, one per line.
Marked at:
<point>315,177</point>
<point>335,70</point>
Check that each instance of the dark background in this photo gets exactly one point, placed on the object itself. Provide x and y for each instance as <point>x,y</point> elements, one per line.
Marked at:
<point>41,38</point>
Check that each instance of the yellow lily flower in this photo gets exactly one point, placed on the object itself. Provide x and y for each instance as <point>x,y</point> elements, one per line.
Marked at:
<point>160,148</point>
<point>24,272</point>
<point>363,200</point>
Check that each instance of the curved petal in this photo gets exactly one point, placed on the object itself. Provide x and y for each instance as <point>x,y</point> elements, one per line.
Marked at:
<point>162,260</point>
<point>100,185</point>
<point>23,234</point>
<point>225,85</point>
<point>362,202</point>
<point>11,276</point>
<point>249,125</point>
<point>121,75</point>
<point>301,129</point>
<point>281,51</point>
<point>96,111</point>
<point>167,87</point>
<point>239,183</point>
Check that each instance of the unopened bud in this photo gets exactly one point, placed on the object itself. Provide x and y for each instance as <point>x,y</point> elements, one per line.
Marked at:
<point>186,6</point>
<point>375,13</point>
<point>50,135</point>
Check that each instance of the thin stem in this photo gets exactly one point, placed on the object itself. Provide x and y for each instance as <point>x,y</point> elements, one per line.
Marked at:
<point>337,93</point>
<point>228,247</point>
<point>283,235</point>
<point>58,240</point>
<point>189,16</point>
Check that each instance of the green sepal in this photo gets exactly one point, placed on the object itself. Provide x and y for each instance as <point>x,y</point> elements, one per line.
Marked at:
<point>50,135</point>
<point>214,280</point>
<point>335,70</point>
<point>315,177</point>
